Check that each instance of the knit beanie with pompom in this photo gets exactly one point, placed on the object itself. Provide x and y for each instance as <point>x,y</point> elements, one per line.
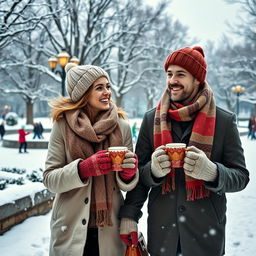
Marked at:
<point>80,78</point>
<point>191,59</point>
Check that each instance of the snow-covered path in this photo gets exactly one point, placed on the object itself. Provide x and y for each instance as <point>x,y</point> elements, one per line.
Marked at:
<point>31,238</point>
<point>241,211</point>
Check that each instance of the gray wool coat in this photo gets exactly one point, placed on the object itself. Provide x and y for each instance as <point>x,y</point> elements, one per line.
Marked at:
<point>199,225</point>
<point>71,207</point>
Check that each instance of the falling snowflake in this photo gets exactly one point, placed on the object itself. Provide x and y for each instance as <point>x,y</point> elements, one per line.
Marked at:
<point>162,249</point>
<point>64,228</point>
<point>182,218</point>
<point>212,232</point>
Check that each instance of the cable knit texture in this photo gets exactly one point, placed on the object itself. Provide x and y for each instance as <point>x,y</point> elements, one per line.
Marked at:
<point>191,59</point>
<point>80,78</point>
<point>95,165</point>
<point>129,166</point>
<point>160,163</point>
<point>198,165</point>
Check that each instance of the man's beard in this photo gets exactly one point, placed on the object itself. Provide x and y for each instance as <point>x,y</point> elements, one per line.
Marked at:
<point>169,89</point>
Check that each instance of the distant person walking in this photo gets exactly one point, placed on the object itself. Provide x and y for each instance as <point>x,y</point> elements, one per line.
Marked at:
<point>2,130</point>
<point>36,131</point>
<point>22,139</point>
<point>40,130</point>
<point>254,129</point>
<point>134,132</point>
<point>251,124</point>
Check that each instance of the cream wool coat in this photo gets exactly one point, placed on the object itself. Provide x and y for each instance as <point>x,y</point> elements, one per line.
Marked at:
<point>71,207</point>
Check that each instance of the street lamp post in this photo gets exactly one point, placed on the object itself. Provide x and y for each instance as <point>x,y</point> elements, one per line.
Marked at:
<point>238,89</point>
<point>6,110</point>
<point>62,58</point>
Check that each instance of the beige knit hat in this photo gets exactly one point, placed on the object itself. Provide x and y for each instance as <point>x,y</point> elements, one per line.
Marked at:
<point>80,78</point>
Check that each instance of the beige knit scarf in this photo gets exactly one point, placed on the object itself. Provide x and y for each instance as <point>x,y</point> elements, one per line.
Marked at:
<point>83,140</point>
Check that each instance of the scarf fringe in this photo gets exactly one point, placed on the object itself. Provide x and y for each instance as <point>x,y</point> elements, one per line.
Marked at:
<point>169,182</point>
<point>100,219</point>
<point>196,190</point>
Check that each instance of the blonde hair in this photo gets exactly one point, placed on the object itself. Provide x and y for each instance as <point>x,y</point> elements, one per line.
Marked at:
<point>121,113</point>
<point>63,104</point>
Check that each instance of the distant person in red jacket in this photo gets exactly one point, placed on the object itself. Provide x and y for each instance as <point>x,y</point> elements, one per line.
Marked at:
<point>22,139</point>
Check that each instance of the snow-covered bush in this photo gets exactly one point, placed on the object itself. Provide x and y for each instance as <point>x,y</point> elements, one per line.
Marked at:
<point>18,181</point>
<point>2,184</point>
<point>13,170</point>
<point>11,118</point>
<point>36,175</point>
<point>11,176</point>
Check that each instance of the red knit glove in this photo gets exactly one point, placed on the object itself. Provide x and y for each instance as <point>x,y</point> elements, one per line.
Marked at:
<point>95,165</point>
<point>129,232</point>
<point>129,166</point>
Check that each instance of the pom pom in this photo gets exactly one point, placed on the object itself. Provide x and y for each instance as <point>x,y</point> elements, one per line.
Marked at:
<point>199,49</point>
<point>69,66</point>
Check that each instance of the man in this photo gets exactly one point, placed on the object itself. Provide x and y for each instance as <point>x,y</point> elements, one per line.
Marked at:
<point>186,206</point>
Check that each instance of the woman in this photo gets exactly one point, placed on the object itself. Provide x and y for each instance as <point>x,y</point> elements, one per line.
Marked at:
<point>79,169</point>
<point>22,139</point>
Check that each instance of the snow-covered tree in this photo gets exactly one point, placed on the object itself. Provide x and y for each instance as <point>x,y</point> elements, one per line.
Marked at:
<point>22,43</point>
<point>244,58</point>
<point>21,61</point>
<point>15,19</point>
<point>134,48</point>
<point>165,36</point>
<point>107,33</point>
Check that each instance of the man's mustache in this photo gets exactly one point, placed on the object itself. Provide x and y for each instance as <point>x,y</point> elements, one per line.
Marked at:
<point>170,86</point>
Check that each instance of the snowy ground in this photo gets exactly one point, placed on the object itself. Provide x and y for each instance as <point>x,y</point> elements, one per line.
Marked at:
<point>31,238</point>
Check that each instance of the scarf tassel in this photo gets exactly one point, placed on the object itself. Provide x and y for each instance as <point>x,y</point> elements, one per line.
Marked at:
<point>196,190</point>
<point>169,182</point>
<point>100,219</point>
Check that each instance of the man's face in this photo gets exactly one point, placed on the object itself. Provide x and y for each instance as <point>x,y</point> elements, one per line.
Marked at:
<point>180,84</point>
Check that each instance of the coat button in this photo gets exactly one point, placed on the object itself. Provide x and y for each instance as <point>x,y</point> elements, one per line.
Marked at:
<point>181,208</point>
<point>84,221</point>
<point>86,200</point>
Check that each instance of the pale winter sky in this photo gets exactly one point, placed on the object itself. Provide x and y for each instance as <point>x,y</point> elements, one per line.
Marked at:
<point>206,19</point>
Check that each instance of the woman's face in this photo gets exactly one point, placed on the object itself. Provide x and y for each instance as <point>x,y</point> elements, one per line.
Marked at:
<point>99,97</point>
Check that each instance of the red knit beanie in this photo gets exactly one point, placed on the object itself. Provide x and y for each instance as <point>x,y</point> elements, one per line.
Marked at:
<point>191,59</point>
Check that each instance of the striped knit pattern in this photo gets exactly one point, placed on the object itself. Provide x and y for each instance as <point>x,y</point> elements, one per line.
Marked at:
<point>203,111</point>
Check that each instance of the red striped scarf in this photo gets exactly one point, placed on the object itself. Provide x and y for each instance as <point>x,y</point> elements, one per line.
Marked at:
<point>202,110</point>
